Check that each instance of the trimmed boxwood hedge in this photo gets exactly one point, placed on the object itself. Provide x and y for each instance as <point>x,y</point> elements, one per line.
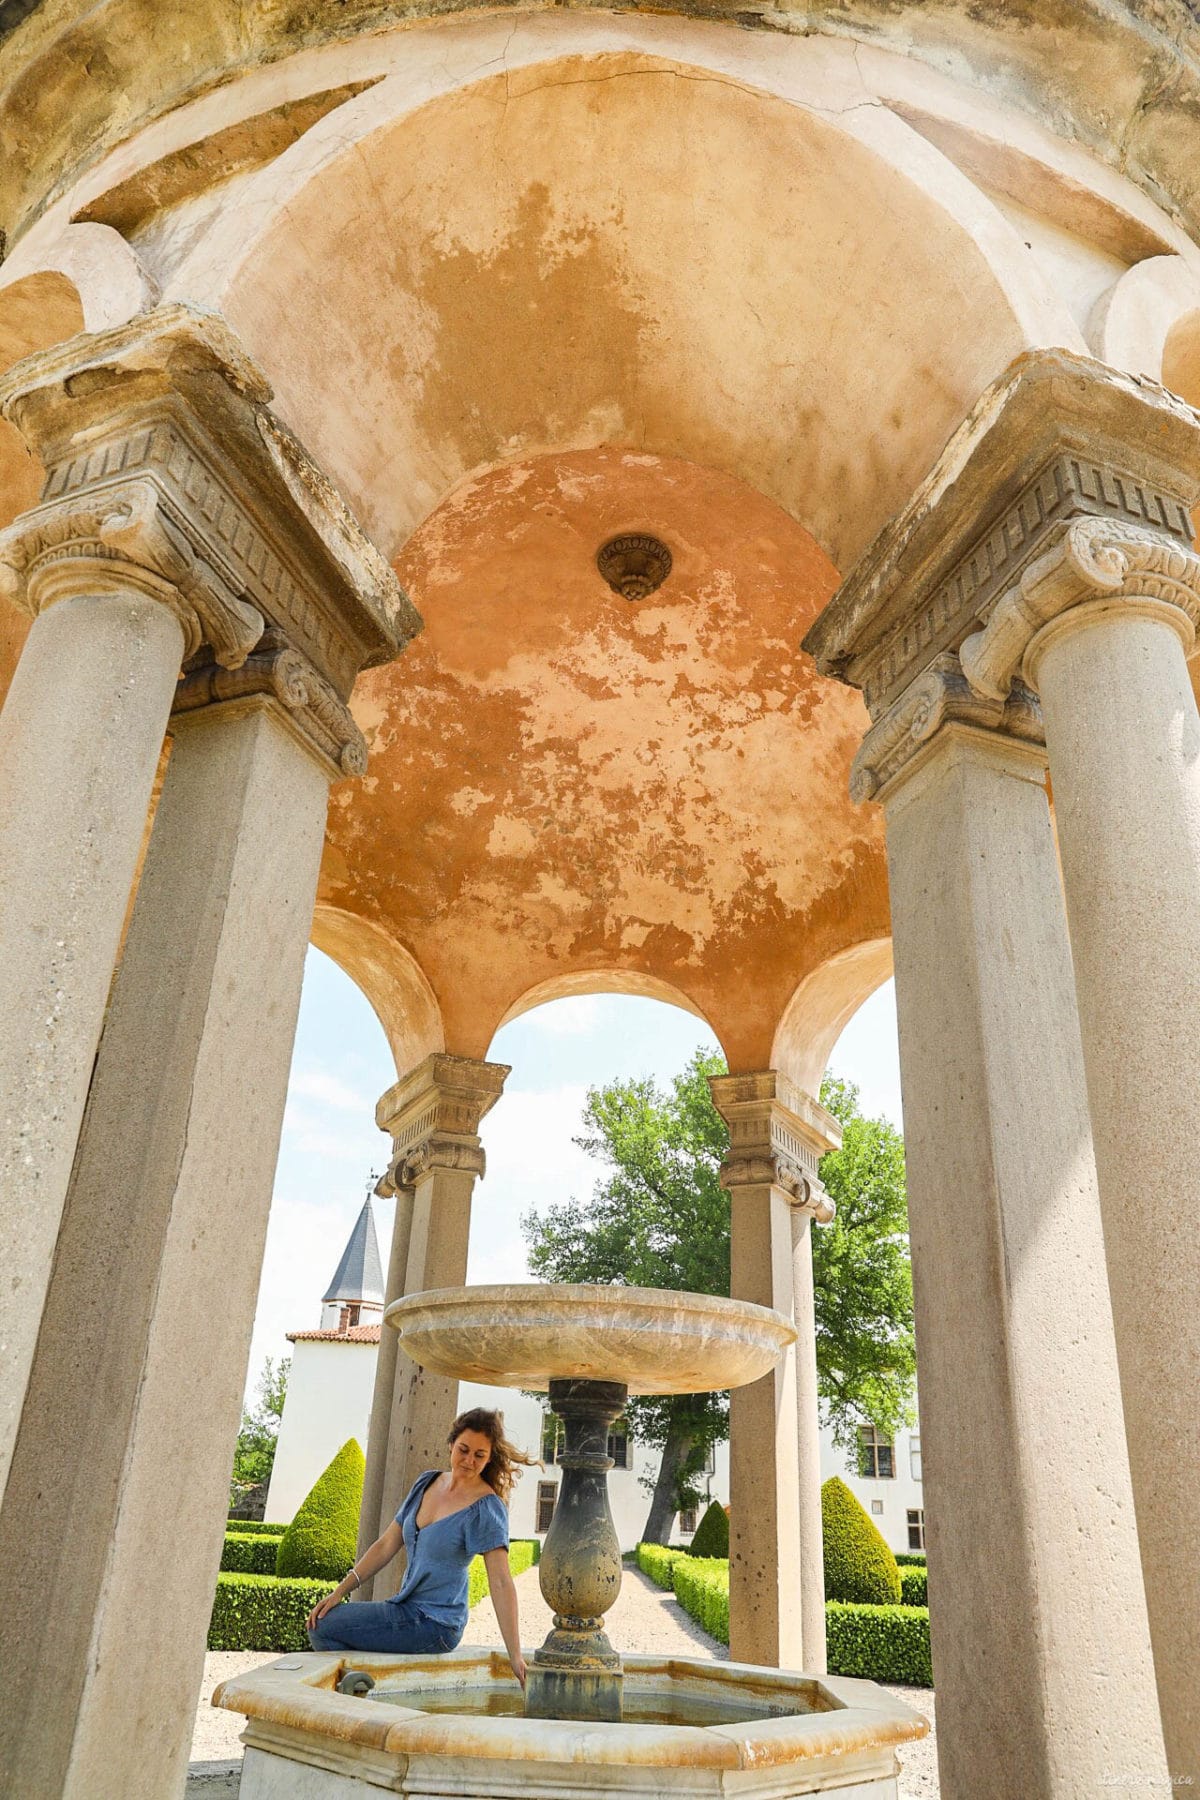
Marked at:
<point>262,1612</point>
<point>914,1587</point>
<point>321,1541</point>
<point>656,1561</point>
<point>267,1612</point>
<point>881,1643</point>
<point>246,1555</point>
<point>859,1565</point>
<point>914,1559</point>
<point>702,1589</point>
<point>255,1528</point>
<point>711,1536</point>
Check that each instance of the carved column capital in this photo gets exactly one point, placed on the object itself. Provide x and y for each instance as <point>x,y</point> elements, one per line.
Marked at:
<point>166,472</point>
<point>777,1136</point>
<point>277,671</point>
<point>940,695</point>
<point>1094,559</point>
<point>433,1115</point>
<point>1069,485</point>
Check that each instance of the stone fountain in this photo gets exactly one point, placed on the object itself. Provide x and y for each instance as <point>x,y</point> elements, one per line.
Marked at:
<point>588,1724</point>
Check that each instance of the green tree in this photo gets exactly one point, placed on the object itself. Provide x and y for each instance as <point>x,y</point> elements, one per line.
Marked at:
<point>866,1352</point>
<point>321,1540</point>
<point>254,1455</point>
<point>658,1217</point>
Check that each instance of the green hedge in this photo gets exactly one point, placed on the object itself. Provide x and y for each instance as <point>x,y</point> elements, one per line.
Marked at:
<point>322,1540</point>
<point>255,1528</point>
<point>702,1589</point>
<point>881,1643</point>
<point>859,1565</point>
<point>523,1553</point>
<point>711,1536</point>
<point>246,1555</point>
<point>914,1588</point>
<point>656,1561</point>
<point>262,1612</point>
<point>914,1559</point>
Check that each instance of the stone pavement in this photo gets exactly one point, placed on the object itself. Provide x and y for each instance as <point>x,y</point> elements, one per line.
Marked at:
<point>645,1620</point>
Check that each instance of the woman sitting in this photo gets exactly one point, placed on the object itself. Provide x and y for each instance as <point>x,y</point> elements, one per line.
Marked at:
<point>447,1518</point>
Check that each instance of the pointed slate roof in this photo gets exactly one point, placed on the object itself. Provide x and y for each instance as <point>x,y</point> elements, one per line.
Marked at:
<point>359,1275</point>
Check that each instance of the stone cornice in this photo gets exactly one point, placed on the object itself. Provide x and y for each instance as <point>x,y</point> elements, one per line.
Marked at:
<point>1059,439</point>
<point>777,1136</point>
<point>938,696</point>
<point>433,1115</point>
<point>275,670</point>
<point>161,456</point>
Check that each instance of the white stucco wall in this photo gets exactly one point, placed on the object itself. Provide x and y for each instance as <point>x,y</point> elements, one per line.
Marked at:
<point>328,1401</point>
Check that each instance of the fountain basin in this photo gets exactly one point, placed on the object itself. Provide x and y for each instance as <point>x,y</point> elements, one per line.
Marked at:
<point>815,1734</point>
<point>652,1340</point>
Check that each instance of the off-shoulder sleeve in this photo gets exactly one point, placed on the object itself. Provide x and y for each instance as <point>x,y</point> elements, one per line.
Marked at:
<point>487,1526</point>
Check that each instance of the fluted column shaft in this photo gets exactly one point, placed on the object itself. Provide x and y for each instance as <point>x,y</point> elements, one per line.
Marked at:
<point>777,1136</point>
<point>433,1116</point>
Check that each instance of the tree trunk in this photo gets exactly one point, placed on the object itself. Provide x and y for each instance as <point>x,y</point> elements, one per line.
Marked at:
<point>662,1507</point>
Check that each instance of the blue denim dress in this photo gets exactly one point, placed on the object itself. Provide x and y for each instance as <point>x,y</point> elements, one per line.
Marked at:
<point>429,1614</point>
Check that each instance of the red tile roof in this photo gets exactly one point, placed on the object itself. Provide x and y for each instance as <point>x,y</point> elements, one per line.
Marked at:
<point>357,1334</point>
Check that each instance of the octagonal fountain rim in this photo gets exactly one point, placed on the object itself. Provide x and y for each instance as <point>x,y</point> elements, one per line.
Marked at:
<point>650,1340</point>
<point>854,1726</point>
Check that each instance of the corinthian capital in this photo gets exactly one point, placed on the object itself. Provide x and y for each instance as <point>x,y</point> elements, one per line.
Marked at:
<point>938,696</point>
<point>433,1115</point>
<point>277,671</point>
<point>127,534</point>
<point>166,470</point>
<point>777,1137</point>
<point>1094,559</point>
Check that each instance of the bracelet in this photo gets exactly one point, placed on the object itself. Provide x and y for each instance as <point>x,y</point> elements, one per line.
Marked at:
<point>357,1577</point>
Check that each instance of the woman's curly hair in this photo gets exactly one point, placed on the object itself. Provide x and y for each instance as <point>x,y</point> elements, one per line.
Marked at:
<point>501,1472</point>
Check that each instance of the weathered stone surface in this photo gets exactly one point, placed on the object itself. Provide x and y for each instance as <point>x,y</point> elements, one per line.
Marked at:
<point>655,1340</point>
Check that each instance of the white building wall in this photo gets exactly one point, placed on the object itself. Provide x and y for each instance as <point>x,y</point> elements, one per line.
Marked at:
<point>328,1400</point>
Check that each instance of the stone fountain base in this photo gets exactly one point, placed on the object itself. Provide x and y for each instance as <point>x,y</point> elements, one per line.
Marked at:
<point>305,1741</point>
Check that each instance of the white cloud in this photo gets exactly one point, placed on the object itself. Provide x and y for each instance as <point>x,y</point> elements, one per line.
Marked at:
<point>331,1090</point>
<point>572,1017</point>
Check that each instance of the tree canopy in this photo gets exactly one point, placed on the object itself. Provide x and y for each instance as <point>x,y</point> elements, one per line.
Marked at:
<point>658,1217</point>
<point>254,1457</point>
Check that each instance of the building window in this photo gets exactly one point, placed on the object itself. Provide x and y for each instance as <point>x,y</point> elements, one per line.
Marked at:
<point>547,1494</point>
<point>876,1456</point>
<point>916,1528</point>
<point>877,1507</point>
<point>914,1455</point>
<point>687,1521</point>
<point>553,1438</point>
<point>618,1445</point>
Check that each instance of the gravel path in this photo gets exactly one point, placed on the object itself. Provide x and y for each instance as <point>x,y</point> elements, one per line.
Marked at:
<point>645,1620</point>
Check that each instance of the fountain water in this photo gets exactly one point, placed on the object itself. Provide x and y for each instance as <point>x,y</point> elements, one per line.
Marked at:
<point>452,1724</point>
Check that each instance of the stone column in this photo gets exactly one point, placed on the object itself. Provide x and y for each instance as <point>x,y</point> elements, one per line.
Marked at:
<point>808,1439</point>
<point>1018,1379</point>
<point>119,1478</point>
<point>81,735</point>
<point>1101,623</point>
<point>433,1116</point>
<point>777,1137</point>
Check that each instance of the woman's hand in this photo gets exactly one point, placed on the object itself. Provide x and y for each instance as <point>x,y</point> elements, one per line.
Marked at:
<point>322,1607</point>
<point>518,1667</point>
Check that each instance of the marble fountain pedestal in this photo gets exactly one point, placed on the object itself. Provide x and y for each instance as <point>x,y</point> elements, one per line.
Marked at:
<point>590,1722</point>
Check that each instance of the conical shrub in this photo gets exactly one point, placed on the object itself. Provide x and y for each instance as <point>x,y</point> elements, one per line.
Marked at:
<point>858,1563</point>
<point>321,1540</point>
<point>711,1536</point>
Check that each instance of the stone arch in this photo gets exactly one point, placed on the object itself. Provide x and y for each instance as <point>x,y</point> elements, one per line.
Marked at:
<point>1149,324</point>
<point>524,296</point>
<point>823,1005</point>
<point>390,978</point>
<point>602,981</point>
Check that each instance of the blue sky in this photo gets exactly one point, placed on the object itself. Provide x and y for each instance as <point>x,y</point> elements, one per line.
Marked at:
<point>330,1146</point>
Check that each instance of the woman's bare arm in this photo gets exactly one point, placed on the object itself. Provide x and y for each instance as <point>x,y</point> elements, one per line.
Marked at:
<point>504,1601</point>
<point>369,1563</point>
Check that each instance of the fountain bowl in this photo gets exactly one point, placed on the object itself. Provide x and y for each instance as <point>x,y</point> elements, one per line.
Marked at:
<point>652,1340</point>
<point>444,1726</point>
